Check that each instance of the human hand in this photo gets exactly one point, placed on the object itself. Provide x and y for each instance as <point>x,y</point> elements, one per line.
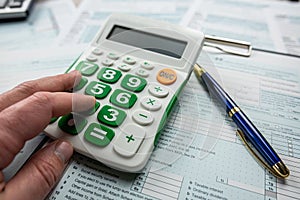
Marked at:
<point>24,112</point>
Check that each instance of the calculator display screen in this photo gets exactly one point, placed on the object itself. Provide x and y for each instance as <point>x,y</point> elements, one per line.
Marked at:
<point>148,41</point>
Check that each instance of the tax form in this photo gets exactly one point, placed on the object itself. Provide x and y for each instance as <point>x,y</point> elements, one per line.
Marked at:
<point>92,14</point>
<point>46,22</point>
<point>205,159</point>
<point>289,37</point>
<point>270,26</point>
<point>199,155</point>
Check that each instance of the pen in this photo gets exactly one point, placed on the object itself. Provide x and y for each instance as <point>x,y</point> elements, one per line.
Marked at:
<point>250,135</point>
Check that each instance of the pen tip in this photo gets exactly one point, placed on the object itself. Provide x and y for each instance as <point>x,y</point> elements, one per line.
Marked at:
<point>281,169</point>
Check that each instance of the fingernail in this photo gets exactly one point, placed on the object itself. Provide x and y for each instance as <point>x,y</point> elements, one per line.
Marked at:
<point>82,102</point>
<point>91,99</point>
<point>64,151</point>
<point>88,101</point>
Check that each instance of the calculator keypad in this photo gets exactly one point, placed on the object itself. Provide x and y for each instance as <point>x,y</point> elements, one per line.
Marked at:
<point>166,76</point>
<point>97,89</point>
<point>109,75</point>
<point>87,68</point>
<point>99,135</point>
<point>113,56</point>
<point>72,124</point>
<point>91,58</point>
<point>124,67</point>
<point>143,117</point>
<point>91,110</point>
<point>133,83</point>
<point>111,116</point>
<point>97,51</point>
<point>151,103</point>
<point>147,65</point>
<point>129,60</point>
<point>158,91</point>
<point>126,89</point>
<point>123,99</point>
<point>142,72</point>
<point>129,140</point>
<point>107,62</point>
<point>81,84</point>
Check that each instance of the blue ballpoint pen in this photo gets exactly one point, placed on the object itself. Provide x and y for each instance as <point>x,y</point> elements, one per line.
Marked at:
<point>249,134</point>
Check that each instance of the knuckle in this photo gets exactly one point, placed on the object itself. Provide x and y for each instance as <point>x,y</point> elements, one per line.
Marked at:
<point>42,101</point>
<point>10,146</point>
<point>47,172</point>
<point>41,98</point>
<point>28,87</point>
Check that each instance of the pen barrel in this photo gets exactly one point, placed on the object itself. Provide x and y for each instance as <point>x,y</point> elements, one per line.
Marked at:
<point>216,91</point>
<point>251,133</point>
<point>257,140</point>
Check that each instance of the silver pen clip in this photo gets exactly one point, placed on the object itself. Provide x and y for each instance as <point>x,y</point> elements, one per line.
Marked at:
<point>220,43</point>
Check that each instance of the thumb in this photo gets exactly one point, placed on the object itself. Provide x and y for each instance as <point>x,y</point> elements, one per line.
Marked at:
<point>40,174</point>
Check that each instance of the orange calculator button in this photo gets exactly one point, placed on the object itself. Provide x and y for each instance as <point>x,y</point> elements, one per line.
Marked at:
<point>166,76</point>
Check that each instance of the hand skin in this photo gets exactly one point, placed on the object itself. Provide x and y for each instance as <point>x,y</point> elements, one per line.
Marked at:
<point>24,112</point>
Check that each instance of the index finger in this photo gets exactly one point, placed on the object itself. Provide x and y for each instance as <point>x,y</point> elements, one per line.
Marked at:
<point>56,83</point>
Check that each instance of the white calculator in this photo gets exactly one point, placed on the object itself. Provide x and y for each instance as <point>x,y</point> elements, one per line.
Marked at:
<point>135,67</point>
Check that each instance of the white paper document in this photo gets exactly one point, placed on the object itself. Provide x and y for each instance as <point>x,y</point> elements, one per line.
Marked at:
<point>269,26</point>
<point>92,14</point>
<point>34,64</point>
<point>46,22</point>
<point>285,28</point>
<point>199,155</point>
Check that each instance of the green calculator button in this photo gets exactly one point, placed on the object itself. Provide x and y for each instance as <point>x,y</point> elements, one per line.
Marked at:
<point>97,89</point>
<point>109,75</point>
<point>81,84</point>
<point>91,110</point>
<point>72,124</point>
<point>123,99</point>
<point>53,119</point>
<point>99,135</point>
<point>111,116</point>
<point>133,83</point>
<point>87,68</point>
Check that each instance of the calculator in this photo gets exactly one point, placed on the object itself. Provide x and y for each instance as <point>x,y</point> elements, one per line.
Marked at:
<point>14,9</point>
<point>136,68</point>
